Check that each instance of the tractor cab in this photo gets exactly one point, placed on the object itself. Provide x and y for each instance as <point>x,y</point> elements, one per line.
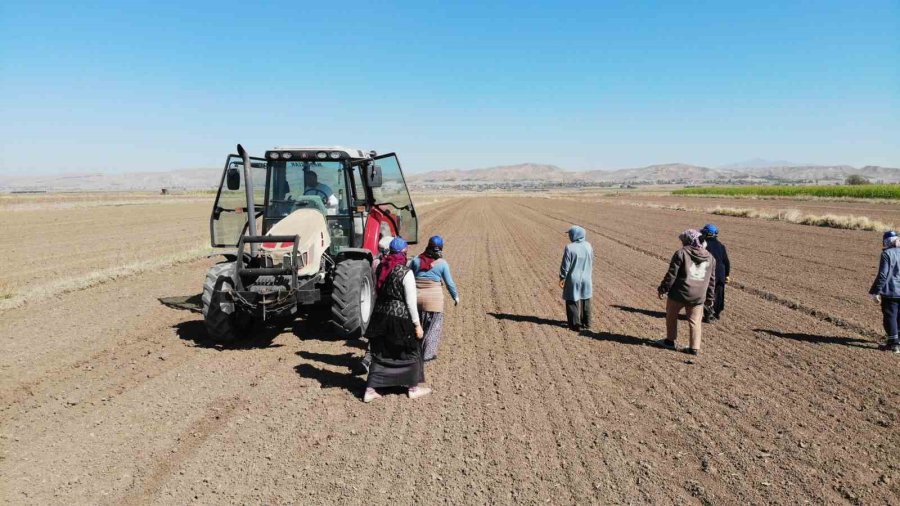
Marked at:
<point>356,191</point>
<point>306,223</point>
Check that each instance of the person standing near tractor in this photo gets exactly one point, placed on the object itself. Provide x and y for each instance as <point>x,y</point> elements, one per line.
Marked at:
<point>394,331</point>
<point>431,271</point>
<point>723,271</point>
<point>886,289</point>
<point>689,284</point>
<point>576,279</point>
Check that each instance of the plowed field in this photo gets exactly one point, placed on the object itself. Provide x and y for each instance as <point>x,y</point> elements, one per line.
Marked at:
<point>113,395</point>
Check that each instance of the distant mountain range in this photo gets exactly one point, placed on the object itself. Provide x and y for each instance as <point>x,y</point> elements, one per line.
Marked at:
<point>679,173</point>
<point>524,174</point>
<point>184,179</point>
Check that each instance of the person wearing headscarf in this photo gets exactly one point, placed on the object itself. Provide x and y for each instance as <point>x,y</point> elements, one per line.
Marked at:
<point>431,270</point>
<point>394,330</point>
<point>384,249</point>
<point>886,289</point>
<point>576,279</point>
<point>689,285</point>
<point>710,234</point>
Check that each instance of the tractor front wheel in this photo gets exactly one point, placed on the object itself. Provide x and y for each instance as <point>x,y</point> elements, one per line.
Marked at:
<point>352,297</point>
<point>224,321</point>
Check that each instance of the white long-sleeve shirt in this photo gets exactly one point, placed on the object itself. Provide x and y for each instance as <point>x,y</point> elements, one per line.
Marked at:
<point>409,292</point>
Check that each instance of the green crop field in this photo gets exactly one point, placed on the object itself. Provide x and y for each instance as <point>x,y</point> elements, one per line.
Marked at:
<point>866,191</point>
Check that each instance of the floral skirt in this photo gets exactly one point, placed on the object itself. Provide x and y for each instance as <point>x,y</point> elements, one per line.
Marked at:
<point>433,325</point>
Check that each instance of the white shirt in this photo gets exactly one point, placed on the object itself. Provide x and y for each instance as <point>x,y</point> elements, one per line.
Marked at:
<point>409,290</point>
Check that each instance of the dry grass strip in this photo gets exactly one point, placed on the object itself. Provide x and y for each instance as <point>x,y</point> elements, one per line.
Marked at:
<point>840,221</point>
<point>846,222</point>
<point>9,299</point>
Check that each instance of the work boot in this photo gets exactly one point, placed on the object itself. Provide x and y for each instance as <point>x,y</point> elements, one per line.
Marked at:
<point>665,343</point>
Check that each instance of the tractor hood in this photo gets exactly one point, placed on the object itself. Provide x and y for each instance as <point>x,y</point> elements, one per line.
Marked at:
<point>312,228</point>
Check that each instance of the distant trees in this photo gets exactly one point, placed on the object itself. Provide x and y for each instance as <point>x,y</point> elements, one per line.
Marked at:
<point>856,179</point>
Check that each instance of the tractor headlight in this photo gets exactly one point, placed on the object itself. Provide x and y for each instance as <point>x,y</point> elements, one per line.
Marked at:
<point>335,155</point>
<point>273,156</point>
<point>287,155</point>
<point>322,155</point>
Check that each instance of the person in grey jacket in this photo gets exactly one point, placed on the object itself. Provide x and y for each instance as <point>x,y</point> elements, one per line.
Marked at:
<point>690,284</point>
<point>576,278</point>
<point>886,289</point>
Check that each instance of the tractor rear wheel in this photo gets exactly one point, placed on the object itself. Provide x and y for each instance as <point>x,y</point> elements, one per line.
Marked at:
<point>352,297</point>
<point>224,321</point>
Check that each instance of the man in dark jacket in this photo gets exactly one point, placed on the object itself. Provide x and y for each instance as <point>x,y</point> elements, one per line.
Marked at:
<point>723,270</point>
<point>886,289</point>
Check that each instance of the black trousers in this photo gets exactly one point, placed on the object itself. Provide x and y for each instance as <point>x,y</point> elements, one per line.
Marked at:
<point>890,310</point>
<point>578,313</point>
<point>718,303</point>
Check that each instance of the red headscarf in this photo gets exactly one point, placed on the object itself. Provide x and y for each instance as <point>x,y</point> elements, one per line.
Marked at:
<point>387,265</point>
<point>431,254</point>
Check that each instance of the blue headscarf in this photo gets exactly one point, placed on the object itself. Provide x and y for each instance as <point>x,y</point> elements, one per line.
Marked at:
<point>398,245</point>
<point>576,234</point>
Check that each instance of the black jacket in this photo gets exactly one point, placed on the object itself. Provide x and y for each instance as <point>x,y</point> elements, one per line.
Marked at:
<point>718,251</point>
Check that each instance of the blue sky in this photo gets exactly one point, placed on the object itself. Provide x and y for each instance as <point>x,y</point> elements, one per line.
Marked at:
<point>122,86</point>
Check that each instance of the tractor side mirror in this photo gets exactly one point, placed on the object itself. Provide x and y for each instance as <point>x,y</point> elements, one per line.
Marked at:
<point>375,176</point>
<point>233,179</point>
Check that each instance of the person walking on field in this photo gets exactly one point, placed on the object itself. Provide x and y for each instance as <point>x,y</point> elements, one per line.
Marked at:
<point>576,279</point>
<point>431,271</point>
<point>394,330</point>
<point>690,284</point>
<point>886,289</point>
<point>723,271</point>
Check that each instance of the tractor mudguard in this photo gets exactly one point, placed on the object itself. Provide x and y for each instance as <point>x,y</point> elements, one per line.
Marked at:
<point>355,254</point>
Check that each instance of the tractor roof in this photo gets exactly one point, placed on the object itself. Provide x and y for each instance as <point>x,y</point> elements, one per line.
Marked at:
<point>349,152</point>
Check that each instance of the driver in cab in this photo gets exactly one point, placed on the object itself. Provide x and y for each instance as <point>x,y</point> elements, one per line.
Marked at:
<point>316,189</point>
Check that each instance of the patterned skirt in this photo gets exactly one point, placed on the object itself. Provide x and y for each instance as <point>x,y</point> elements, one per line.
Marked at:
<point>433,325</point>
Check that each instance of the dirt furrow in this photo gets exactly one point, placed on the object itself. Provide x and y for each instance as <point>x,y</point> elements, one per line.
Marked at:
<point>783,406</point>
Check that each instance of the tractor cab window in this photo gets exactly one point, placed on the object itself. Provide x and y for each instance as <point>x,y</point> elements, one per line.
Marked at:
<point>229,217</point>
<point>319,185</point>
<point>299,184</point>
<point>392,197</point>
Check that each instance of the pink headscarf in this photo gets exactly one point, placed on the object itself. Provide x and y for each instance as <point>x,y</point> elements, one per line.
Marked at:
<point>691,237</point>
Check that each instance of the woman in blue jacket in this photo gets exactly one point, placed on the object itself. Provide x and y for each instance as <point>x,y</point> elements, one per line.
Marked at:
<point>431,271</point>
<point>576,279</point>
<point>886,289</point>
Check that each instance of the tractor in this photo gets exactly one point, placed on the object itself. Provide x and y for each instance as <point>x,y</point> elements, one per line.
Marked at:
<point>304,224</point>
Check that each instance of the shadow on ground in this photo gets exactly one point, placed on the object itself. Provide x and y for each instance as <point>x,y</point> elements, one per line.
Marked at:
<point>812,338</point>
<point>646,312</point>
<point>618,338</point>
<point>348,360</point>
<point>331,379</point>
<point>600,336</point>
<point>258,337</point>
<point>192,303</point>
<point>529,319</point>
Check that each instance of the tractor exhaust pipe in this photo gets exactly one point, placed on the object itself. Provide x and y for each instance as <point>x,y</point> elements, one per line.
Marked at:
<point>248,188</point>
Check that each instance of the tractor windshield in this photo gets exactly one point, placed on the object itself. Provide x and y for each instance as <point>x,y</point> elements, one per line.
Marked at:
<point>318,182</point>
<point>319,185</point>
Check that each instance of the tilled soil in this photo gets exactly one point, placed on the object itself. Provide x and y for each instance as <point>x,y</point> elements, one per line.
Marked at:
<point>49,242</point>
<point>110,396</point>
